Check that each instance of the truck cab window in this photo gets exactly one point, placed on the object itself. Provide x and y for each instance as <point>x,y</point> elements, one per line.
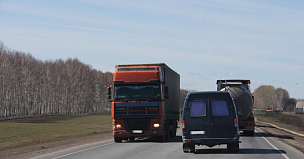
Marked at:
<point>136,92</point>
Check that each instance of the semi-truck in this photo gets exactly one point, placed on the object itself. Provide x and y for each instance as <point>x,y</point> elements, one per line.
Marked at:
<point>243,99</point>
<point>144,101</point>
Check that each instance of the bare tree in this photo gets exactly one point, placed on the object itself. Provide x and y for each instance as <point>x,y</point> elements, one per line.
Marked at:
<point>264,97</point>
<point>29,86</point>
<point>281,98</point>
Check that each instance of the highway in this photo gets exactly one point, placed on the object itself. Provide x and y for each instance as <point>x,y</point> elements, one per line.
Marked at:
<point>259,146</point>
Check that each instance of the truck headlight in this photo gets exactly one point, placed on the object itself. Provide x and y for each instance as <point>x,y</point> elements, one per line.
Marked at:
<point>118,126</point>
<point>156,125</point>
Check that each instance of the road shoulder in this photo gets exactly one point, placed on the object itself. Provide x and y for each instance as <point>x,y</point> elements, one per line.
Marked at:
<point>49,147</point>
<point>287,137</point>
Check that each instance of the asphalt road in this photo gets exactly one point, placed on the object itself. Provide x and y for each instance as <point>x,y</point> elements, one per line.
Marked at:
<point>259,146</point>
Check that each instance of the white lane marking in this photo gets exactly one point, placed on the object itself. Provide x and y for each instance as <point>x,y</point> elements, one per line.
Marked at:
<point>83,150</point>
<point>273,146</point>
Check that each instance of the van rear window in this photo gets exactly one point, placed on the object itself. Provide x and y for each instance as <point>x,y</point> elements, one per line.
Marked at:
<point>220,108</point>
<point>198,108</point>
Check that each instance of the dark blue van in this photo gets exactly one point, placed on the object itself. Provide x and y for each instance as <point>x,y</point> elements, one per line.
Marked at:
<point>210,118</point>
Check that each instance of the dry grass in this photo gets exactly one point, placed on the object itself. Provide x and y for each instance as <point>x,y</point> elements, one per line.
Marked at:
<point>288,121</point>
<point>29,131</point>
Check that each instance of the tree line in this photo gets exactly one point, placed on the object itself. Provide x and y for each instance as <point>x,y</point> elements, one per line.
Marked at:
<point>271,98</point>
<point>29,86</point>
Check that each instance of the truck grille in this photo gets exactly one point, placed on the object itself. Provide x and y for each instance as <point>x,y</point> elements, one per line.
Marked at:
<point>137,124</point>
<point>136,109</point>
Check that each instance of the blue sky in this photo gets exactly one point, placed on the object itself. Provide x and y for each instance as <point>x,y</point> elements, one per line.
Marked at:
<point>202,40</point>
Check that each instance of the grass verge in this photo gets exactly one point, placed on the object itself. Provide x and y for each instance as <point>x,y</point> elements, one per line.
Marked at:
<point>283,120</point>
<point>30,131</point>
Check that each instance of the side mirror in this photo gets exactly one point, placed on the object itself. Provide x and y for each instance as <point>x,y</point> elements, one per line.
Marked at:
<point>166,90</point>
<point>109,93</point>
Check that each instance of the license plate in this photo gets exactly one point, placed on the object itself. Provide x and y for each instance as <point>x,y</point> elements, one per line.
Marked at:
<point>137,131</point>
<point>197,132</point>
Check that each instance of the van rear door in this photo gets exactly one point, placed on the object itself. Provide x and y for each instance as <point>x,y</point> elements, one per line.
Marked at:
<point>196,118</point>
<point>221,116</point>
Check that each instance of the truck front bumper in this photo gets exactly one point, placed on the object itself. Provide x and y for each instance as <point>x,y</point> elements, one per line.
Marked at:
<point>138,133</point>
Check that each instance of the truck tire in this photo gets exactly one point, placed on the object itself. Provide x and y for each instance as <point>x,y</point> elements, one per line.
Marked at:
<point>117,139</point>
<point>173,132</point>
<point>161,138</point>
<point>249,133</point>
<point>172,128</point>
<point>164,137</point>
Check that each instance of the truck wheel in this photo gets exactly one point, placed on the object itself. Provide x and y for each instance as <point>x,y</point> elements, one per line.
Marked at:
<point>173,129</point>
<point>249,133</point>
<point>166,133</point>
<point>161,138</point>
<point>117,139</point>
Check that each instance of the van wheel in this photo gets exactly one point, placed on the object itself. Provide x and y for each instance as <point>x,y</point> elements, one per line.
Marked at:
<point>233,147</point>
<point>117,139</point>
<point>131,138</point>
<point>188,148</point>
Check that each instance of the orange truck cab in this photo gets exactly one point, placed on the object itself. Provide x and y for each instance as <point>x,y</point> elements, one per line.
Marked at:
<point>144,101</point>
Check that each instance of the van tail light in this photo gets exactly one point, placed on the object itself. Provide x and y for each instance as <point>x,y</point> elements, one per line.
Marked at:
<point>235,124</point>
<point>183,125</point>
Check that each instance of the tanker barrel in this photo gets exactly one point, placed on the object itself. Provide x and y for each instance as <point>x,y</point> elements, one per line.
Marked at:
<point>242,99</point>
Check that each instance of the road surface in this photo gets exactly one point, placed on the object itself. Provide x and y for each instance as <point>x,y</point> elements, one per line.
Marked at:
<point>259,146</point>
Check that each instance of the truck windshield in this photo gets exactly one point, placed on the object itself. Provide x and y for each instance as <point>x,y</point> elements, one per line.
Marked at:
<point>136,92</point>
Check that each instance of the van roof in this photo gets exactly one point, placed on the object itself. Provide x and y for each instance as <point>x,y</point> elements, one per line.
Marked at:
<point>210,92</point>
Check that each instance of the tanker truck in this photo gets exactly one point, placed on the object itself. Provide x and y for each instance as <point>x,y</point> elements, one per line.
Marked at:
<point>240,92</point>
<point>145,101</point>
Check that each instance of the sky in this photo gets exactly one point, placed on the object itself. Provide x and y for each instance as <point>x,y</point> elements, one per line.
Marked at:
<point>201,40</point>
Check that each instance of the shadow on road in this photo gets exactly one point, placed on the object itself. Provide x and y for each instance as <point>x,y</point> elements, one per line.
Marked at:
<point>263,134</point>
<point>274,135</point>
<point>264,126</point>
<point>241,151</point>
<point>153,139</point>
